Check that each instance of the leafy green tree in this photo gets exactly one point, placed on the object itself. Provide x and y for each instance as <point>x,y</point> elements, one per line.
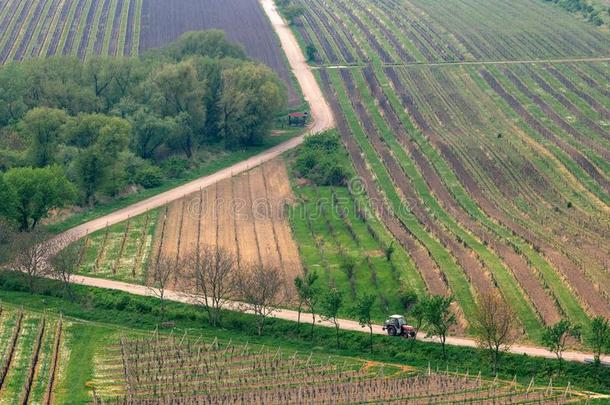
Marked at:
<point>181,136</point>
<point>150,132</point>
<point>418,313</point>
<point>408,298</point>
<point>555,338</point>
<point>102,140</point>
<point>308,293</point>
<point>363,310</point>
<point>41,126</point>
<point>439,318</point>
<point>209,43</point>
<point>598,337</point>
<point>330,306</point>
<point>177,89</point>
<point>251,98</point>
<point>293,12</point>
<point>13,82</point>
<point>38,190</point>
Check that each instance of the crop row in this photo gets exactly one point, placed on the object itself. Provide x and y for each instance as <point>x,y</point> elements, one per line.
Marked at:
<point>250,205</point>
<point>339,236</point>
<point>522,230</point>
<point>219,373</point>
<point>520,257</point>
<point>509,31</point>
<point>466,262</point>
<point>30,364</point>
<point>76,27</point>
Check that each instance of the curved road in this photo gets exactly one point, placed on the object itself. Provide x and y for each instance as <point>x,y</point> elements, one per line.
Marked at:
<point>290,315</point>
<point>322,120</point>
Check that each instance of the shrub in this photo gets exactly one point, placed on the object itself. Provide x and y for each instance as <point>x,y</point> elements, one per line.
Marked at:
<point>149,177</point>
<point>322,161</point>
<point>174,167</point>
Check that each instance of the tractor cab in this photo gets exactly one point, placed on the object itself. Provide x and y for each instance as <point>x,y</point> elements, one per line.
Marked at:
<point>397,326</point>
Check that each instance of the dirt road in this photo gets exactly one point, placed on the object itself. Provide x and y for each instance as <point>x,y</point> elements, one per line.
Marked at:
<point>307,318</point>
<point>322,119</point>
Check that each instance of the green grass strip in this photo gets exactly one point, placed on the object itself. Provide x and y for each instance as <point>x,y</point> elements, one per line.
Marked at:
<point>108,27</point>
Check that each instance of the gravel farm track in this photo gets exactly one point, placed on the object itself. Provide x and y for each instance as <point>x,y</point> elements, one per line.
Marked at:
<point>323,118</point>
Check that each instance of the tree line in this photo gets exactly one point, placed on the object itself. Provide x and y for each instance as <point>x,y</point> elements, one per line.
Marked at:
<point>101,127</point>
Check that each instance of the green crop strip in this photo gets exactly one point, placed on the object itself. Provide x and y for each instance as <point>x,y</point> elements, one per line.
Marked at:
<point>584,178</point>
<point>108,27</point>
<point>458,283</point>
<point>563,294</point>
<point>506,282</point>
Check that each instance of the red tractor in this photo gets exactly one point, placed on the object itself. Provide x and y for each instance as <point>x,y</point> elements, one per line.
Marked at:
<point>396,326</point>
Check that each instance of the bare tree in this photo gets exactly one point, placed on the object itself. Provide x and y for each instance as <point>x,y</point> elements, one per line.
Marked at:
<point>261,288</point>
<point>65,262</point>
<point>213,271</point>
<point>495,325</point>
<point>159,276</point>
<point>30,253</point>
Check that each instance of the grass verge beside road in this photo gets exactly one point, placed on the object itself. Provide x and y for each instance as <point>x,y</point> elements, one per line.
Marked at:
<point>122,310</point>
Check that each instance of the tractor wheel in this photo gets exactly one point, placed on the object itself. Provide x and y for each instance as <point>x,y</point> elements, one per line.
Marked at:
<point>392,331</point>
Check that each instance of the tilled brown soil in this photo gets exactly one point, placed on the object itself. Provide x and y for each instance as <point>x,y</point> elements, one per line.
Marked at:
<point>243,214</point>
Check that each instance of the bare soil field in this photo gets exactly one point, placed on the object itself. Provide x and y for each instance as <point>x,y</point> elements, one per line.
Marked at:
<point>244,214</point>
<point>244,22</point>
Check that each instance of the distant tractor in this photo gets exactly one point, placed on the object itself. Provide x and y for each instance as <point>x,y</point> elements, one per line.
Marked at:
<point>396,326</point>
<point>297,119</point>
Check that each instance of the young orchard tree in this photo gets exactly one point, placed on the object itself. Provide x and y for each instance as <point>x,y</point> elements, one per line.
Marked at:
<point>261,289</point>
<point>306,289</point>
<point>598,337</point>
<point>166,268</point>
<point>30,255</point>
<point>312,53</point>
<point>213,271</point>
<point>555,338</point>
<point>331,303</point>
<point>494,325</point>
<point>439,318</point>
<point>312,296</point>
<point>389,251</point>
<point>363,311</point>
<point>418,313</point>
